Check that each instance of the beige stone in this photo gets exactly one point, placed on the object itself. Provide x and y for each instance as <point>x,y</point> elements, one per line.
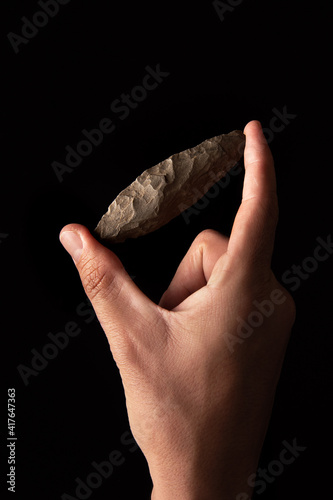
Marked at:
<point>162,192</point>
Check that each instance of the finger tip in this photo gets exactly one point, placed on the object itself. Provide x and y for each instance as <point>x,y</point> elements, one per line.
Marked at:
<point>252,125</point>
<point>78,228</point>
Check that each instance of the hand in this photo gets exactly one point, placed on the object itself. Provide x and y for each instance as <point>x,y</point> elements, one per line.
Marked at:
<point>200,369</point>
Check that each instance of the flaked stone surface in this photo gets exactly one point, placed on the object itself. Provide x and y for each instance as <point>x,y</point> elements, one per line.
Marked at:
<point>165,190</point>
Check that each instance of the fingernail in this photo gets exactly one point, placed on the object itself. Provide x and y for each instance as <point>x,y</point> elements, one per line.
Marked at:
<point>72,243</point>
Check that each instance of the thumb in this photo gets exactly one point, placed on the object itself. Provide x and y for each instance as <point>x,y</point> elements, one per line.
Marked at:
<point>120,306</point>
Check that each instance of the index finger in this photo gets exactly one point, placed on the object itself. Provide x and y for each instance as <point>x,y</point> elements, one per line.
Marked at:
<point>252,237</point>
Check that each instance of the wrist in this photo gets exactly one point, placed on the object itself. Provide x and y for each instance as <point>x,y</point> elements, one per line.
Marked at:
<point>178,482</point>
<point>215,482</point>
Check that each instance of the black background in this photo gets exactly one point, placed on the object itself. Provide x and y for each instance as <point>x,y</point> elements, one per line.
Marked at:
<point>222,73</point>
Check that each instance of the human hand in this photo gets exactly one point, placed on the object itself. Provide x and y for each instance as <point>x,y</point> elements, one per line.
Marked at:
<point>200,369</point>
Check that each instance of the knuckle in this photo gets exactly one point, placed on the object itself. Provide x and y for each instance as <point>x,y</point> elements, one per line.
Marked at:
<point>205,237</point>
<point>95,278</point>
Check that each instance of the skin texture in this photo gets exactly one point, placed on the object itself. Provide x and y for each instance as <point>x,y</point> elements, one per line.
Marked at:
<point>199,391</point>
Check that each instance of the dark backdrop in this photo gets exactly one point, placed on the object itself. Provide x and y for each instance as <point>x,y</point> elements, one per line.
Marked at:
<point>222,66</point>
